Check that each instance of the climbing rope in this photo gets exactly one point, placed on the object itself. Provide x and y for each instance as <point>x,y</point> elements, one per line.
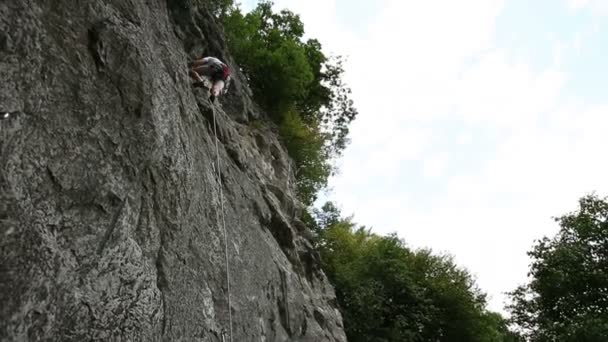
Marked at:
<point>219,178</point>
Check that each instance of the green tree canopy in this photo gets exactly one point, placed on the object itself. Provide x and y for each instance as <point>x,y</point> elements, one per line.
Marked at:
<point>388,292</point>
<point>297,84</point>
<point>567,297</point>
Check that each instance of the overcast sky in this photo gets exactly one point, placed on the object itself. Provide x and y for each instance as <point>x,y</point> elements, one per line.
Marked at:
<point>480,120</point>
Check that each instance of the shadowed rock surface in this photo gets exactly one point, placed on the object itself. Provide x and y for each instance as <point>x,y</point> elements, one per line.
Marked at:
<point>110,222</point>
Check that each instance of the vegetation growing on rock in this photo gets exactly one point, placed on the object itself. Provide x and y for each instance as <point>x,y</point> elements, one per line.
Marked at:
<point>297,84</point>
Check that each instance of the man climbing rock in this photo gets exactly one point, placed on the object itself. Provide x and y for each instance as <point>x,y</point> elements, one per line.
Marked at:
<point>213,69</point>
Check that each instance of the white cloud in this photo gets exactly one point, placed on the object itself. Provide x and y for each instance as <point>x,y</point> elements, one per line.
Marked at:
<point>434,167</point>
<point>578,4</point>
<point>464,138</point>
<point>499,93</point>
<point>559,50</point>
<point>599,7</point>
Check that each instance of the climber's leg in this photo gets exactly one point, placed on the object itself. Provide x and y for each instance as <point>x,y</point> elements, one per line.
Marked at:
<point>197,62</point>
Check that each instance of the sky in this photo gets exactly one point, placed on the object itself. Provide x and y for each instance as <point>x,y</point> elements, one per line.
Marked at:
<point>479,121</point>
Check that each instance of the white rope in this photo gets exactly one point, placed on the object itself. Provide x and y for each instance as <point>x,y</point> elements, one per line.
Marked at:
<point>219,178</point>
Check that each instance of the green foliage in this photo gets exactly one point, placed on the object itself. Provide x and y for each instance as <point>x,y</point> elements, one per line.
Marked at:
<point>567,297</point>
<point>268,48</point>
<point>297,84</point>
<point>339,111</point>
<point>329,215</point>
<point>388,292</point>
<point>498,329</point>
<point>305,143</point>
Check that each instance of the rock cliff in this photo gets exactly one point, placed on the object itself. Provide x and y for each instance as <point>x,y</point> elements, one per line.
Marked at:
<point>110,204</point>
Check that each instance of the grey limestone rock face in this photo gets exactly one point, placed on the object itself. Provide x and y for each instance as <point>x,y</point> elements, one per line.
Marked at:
<point>110,204</point>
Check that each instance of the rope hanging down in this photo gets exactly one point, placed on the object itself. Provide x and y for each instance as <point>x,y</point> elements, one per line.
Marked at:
<point>219,179</point>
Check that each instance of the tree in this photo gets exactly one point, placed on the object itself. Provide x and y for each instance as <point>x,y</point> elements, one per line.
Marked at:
<point>305,145</point>
<point>298,85</point>
<point>387,292</point>
<point>567,297</point>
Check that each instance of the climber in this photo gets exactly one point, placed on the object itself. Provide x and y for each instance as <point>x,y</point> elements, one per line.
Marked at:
<point>213,69</point>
